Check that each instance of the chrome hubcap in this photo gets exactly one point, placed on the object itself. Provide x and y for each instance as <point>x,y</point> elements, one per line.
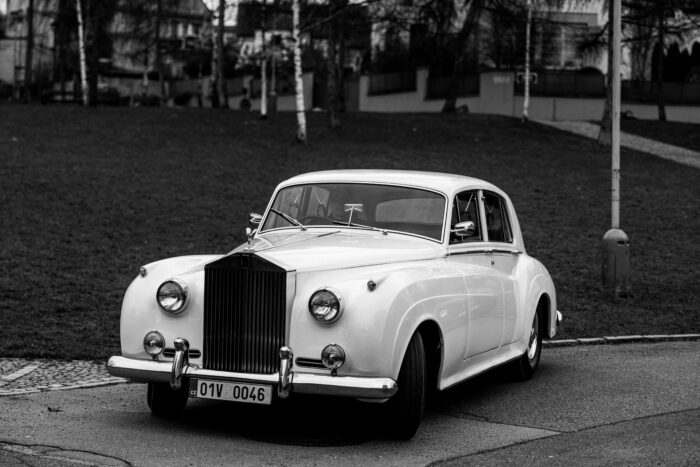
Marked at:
<point>532,347</point>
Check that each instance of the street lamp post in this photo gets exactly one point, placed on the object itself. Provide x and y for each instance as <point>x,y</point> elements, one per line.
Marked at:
<point>615,243</point>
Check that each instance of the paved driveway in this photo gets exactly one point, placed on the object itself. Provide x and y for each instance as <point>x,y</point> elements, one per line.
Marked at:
<point>607,404</point>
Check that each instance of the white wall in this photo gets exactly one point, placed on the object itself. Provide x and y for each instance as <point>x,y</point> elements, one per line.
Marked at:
<point>562,109</point>
<point>541,108</point>
<point>7,62</point>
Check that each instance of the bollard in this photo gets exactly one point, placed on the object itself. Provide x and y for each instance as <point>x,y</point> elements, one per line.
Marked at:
<point>616,261</point>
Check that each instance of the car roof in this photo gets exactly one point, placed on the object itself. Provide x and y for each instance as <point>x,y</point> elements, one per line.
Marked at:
<point>442,182</point>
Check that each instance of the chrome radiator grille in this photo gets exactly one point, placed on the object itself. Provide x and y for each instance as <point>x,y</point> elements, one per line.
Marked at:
<point>244,314</point>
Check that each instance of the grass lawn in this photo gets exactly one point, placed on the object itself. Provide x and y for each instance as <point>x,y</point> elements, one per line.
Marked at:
<point>89,195</point>
<point>686,135</point>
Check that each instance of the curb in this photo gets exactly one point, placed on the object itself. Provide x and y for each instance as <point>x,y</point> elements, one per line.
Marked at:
<point>108,381</point>
<point>608,340</point>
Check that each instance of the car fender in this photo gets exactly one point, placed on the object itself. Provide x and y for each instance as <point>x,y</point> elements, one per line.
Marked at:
<point>140,312</point>
<point>540,285</point>
<point>440,298</point>
<point>377,324</point>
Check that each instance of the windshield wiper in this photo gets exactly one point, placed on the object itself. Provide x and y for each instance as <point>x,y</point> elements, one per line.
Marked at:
<point>288,218</point>
<point>361,226</point>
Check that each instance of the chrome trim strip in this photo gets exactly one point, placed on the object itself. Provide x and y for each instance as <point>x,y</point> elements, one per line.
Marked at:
<point>144,371</point>
<point>309,362</point>
<point>467,252</point>
<point>508,251</point>
<point>349,386</point>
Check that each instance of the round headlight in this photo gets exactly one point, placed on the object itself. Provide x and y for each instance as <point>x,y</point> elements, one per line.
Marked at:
<point>172,296</point>
<point>326,305</point>
<point>333,356</point>
<point>153,343</point>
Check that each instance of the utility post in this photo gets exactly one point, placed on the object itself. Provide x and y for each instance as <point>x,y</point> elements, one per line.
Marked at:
<point>616,247</point>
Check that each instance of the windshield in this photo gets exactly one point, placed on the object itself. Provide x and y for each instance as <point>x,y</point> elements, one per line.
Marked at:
<point>358,205</point>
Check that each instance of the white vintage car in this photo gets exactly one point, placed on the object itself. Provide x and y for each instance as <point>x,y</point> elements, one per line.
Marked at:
<point>379,285</point>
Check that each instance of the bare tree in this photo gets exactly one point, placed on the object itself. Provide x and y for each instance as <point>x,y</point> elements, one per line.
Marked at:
<point>660,47</point>
<point>159,61</point>
<point>472,9</point>
<point>648,22</point>
<point>220,79</point>
<point>81,49</point>
<point>335,59</point>
<point>28,64</point>
<point>298,77</point>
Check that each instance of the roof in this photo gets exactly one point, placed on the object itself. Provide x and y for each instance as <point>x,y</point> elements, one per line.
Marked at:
<point>443,182</point>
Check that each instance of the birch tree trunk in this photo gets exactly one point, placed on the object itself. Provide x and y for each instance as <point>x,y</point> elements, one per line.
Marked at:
<point>526,97</point>
<point>298,78</point>
<point>81,49</point>
<point>263,87</point>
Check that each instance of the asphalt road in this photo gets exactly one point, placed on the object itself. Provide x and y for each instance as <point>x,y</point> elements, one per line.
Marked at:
<point>632,404</point>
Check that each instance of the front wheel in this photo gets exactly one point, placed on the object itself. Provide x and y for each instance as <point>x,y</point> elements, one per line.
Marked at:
<point>524,367</point>
<point>408,404</point>
<point>165,401</point>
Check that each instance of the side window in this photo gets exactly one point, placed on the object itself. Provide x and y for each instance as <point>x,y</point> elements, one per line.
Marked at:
<point>466,208</point>
<point>497,221</point>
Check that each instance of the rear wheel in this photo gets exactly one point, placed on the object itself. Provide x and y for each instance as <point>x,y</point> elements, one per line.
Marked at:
<point>165,401</point>
<point>408,404</point>
<point>524,367</point>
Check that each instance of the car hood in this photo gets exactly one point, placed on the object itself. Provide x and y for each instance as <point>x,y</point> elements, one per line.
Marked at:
<point>332,249</point>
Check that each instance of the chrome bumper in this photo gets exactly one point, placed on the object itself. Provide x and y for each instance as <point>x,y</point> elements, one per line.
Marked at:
<point>143,371</point>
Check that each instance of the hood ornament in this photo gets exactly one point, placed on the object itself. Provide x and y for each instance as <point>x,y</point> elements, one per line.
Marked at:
<point>250,233</point>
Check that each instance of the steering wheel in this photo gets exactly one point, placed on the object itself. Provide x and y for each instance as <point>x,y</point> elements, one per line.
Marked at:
<point>315,220</point>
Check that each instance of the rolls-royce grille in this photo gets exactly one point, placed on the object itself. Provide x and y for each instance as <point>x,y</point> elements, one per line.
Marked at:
<point>244,314</point>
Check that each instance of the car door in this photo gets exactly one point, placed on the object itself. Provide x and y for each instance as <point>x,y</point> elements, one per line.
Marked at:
<point>505,257</point>
<point>471,256</point>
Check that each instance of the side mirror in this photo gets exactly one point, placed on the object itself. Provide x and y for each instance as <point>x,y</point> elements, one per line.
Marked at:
<point>255,219</point>
<point>465,229</point>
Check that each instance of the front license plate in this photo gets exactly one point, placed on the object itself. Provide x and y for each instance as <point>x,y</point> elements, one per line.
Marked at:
<point>238,392</point>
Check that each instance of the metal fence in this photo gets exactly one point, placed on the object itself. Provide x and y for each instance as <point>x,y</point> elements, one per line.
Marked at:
<point>388,83</point>
<point>234,86</point>
<point>563,84</point>
<point>572,84</point>
<point>673,93</point>
<point>467,85</point>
